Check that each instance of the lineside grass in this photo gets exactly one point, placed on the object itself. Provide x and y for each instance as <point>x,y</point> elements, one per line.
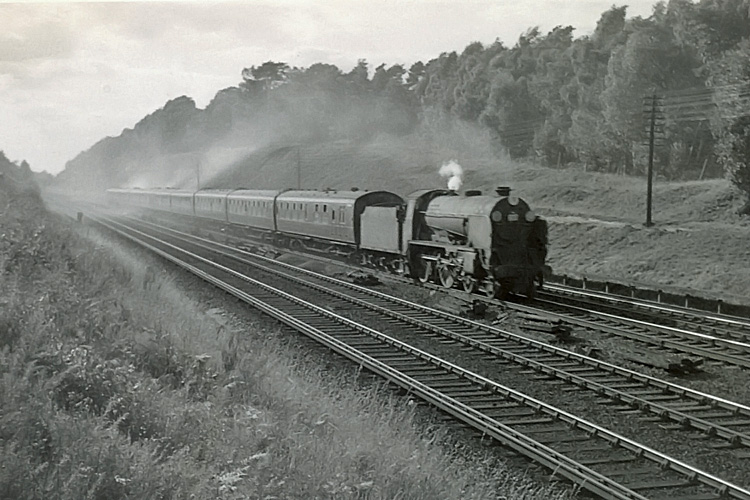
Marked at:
<point>114,384</point>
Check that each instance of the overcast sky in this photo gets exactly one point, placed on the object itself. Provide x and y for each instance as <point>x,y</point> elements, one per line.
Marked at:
<point>74,73</point>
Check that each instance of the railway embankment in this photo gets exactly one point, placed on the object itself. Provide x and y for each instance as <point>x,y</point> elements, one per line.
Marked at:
<point>120,379</point>
<point>707,258</point>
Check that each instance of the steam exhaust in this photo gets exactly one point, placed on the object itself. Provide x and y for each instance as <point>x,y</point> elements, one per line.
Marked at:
<point>453,171</point>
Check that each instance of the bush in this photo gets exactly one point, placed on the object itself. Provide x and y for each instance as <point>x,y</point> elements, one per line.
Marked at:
<point>734,153</point>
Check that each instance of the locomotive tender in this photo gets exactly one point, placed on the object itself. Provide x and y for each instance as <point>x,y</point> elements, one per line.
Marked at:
<point>495,244</point>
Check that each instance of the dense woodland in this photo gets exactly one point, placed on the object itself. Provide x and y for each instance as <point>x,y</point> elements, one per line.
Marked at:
<point>552,97</point>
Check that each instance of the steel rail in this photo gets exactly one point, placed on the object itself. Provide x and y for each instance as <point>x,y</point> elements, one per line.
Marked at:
<point>698,324</point>
<point>710,428</point>
<point>668,330</point>
<point>729,320</point>
<point>596,363</point>
<point>587,477</point>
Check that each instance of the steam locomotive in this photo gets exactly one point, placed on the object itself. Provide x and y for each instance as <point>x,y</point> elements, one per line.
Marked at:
<point>494,244</point>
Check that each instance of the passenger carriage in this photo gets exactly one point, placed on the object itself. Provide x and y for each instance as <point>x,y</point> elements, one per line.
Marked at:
<point>332,217</point>
<point>253,208</point>
<point>211,204</point>
<point>182,202</point>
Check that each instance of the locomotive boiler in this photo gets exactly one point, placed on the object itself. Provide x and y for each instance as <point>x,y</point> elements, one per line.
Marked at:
<point>494,243</point>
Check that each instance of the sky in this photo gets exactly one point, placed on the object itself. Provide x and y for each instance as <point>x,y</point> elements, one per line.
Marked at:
<point>74,73</point>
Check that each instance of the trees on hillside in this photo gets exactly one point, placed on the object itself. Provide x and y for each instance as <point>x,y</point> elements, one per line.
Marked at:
<point>550,96</point>
<point>322,102</point>
<point>731,121</point>
<point>268,75</point>
<point>561,99</point>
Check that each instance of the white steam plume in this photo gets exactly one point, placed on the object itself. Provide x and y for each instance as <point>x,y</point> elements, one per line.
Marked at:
<point>455,173</point>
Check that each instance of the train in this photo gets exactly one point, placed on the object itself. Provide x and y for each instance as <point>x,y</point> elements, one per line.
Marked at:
<point>492,244</point>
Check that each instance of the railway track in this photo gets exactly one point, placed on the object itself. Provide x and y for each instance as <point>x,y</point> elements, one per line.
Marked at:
<point>720,340</point>
<point>716,346</point>
<point>717,325</point>
<point>661,401</point>
<point>609,465</point>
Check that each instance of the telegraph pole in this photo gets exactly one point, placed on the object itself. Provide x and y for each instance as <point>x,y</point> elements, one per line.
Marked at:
<point>198,175</point>
<point>649,189</point>
<point>653,107</point>
<point>299,170</point>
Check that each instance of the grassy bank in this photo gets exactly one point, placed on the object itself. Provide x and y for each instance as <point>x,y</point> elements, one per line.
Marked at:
<point>115,384</point>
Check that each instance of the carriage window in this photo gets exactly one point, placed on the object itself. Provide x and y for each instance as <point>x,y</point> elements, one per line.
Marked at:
<point>325,208</point>
<point>316,207</point>
<point>333,215</point>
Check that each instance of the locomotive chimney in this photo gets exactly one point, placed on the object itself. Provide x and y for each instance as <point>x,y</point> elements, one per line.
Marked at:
<point>503,191</point>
